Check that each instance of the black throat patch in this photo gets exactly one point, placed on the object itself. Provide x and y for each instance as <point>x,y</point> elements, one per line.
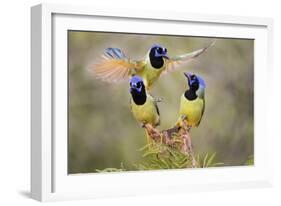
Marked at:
<point>139,98</point>
<point>190,94</point>
<point>156,62</point>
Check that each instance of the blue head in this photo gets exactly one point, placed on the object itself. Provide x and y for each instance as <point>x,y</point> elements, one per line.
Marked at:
<point>194,81</point>
<point>136,85</point>
<point>137,90</point>
<point>158,51</point>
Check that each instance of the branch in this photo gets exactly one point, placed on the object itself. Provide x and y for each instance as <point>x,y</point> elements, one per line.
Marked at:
<point>174,137</point>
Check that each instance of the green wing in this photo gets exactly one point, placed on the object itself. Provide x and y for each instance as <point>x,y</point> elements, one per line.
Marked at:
<point>175,62</point>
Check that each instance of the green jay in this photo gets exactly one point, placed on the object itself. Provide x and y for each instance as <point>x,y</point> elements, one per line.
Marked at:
<point>192,102</point>
<point>144,107</point>
<point>192,106</point>
<point>116,66</point>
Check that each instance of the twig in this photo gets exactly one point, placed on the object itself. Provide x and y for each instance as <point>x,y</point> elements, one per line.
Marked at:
<point>187,144</point>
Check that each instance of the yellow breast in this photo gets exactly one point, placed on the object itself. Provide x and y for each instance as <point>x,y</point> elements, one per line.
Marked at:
<point>192,110</point>
<point>146,113</point>
<point>150,74</point>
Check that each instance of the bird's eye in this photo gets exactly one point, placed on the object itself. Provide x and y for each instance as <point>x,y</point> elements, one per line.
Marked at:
<point>159,49</point>
<point>138,85</point>
<point>165,50</point>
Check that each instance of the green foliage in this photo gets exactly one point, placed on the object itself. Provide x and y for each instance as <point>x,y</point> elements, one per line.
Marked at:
<point>157,156</point>
<point>207,161</point>
<point>160,156</point>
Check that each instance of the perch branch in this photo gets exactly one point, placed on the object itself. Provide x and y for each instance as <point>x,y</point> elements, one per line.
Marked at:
<point>167,137</point>
<point>187,144</point>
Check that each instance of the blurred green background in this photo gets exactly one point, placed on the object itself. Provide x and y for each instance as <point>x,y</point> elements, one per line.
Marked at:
<point>102,130</point>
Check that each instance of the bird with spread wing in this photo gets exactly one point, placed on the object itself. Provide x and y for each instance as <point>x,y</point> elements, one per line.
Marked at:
<point>115,66</point>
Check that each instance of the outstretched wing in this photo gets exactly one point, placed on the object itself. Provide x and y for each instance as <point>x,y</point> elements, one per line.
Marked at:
<point>174,62</point>
<point>115,66</point>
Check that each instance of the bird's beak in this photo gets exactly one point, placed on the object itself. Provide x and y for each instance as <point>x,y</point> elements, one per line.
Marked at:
<point>166,57</point>
<point>187,75</point>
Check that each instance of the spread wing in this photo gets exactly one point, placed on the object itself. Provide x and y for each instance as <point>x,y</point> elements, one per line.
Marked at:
<point>174,62</point>
<point>115,66</point>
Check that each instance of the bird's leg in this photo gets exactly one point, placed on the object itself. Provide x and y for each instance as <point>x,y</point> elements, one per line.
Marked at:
<point>187,144</point>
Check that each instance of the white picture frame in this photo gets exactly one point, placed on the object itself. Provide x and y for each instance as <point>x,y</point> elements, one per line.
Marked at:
<point>49,178</point>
